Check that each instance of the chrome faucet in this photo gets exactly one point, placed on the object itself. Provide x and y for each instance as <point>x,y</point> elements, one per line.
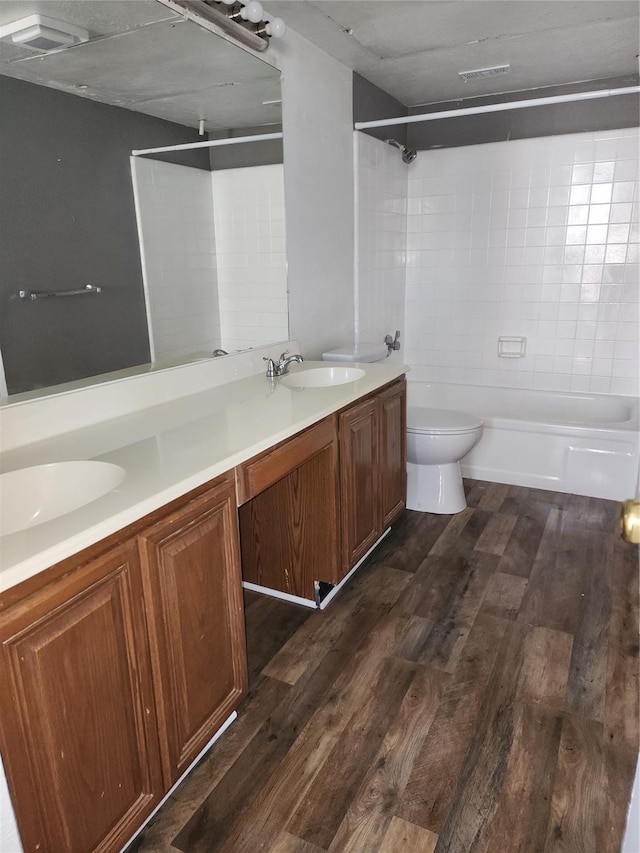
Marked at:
<point>281,367</point>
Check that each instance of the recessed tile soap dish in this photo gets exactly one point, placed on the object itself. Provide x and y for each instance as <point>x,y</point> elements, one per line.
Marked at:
<point>512,347</point>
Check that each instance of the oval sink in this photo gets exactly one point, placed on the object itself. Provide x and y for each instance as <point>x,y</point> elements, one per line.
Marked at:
<point>322,377</point>
<point>34,495</point>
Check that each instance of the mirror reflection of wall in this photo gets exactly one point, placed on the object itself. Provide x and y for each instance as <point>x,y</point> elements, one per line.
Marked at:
<point>68,217</point>
<point>213,257</point>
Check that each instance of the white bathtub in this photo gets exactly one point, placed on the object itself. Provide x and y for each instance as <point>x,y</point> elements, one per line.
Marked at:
<point>585,444</point>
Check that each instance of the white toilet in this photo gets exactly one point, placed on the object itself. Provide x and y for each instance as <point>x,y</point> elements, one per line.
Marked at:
<point>437,439</point>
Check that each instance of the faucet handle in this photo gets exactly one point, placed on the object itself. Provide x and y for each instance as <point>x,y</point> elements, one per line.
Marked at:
<point>392,343</point>
<point>271,367</point>
<point>284,355</point>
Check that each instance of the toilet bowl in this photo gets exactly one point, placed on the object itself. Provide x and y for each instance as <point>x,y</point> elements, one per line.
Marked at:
<point>437,439</point>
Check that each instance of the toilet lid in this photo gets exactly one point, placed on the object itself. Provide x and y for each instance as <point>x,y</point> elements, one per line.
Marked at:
<point>421,419</point>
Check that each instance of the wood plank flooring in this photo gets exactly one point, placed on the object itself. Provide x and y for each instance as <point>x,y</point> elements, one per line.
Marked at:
<point>474,688</point>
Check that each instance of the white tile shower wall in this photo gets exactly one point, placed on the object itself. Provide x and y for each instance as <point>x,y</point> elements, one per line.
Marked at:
<point>250,244</point>
<point>535,237</point>
<point>381,207</point>
<point>175,216</point>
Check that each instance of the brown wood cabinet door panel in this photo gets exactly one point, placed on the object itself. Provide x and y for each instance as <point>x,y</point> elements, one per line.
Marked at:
<point>393,452</point>
<point>289,533</point>
<point>192,575</point>
<point>77,665</point>
<point>359,481</point>
<point>258,474</point>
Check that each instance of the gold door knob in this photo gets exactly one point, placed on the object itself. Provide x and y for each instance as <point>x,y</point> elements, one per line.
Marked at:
<point>630,521</point>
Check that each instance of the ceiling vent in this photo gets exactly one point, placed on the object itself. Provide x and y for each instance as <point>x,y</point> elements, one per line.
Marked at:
<point>36,32</point>
<point>477,73</point>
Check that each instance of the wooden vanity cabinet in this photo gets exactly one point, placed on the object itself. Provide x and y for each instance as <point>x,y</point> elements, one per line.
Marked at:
<point>311,507</point>
<point>392,437</point>
<point>193,593</point>
<point>117,672</point>
<point>359,467</point>
<point>372,469</point>
<point>77,717</point>
<point>289,521</point>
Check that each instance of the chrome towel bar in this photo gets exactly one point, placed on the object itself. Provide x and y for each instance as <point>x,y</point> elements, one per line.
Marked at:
<point>44,294</point>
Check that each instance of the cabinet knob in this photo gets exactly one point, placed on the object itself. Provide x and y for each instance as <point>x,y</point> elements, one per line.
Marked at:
<point>630,521</point>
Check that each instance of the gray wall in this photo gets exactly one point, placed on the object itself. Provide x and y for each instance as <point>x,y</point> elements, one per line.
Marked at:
<point>371,103</point>
<point>553,120</point>
<point>245,154</point>
<point>67,219</point>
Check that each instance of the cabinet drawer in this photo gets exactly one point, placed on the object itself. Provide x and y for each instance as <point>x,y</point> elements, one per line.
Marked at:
<point>261,472</point>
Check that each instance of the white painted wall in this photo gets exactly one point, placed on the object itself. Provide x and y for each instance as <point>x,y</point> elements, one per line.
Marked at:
<point>318,175</point>
<point>536,238</point>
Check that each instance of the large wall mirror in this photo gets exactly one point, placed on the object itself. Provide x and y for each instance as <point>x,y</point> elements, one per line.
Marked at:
<point>77,210</point>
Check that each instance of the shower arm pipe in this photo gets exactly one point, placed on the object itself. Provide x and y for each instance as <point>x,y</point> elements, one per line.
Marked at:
<point>210,143</point>
<point>494,108</point>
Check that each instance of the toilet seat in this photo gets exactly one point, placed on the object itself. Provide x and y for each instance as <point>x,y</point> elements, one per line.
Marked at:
<point>441,421</point>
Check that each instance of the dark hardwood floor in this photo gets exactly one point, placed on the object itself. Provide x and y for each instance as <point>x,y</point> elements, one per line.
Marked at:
<point>474,688</point>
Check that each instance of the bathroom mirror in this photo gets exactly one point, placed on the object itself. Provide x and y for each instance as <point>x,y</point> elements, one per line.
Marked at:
<point>71,118</point>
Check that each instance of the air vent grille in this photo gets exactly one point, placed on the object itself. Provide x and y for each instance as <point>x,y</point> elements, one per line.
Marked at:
<point>477,73</point>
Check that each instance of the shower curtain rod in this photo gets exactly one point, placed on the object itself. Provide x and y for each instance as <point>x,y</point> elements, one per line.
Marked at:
<point>494,108</point>
<point>211,143</point>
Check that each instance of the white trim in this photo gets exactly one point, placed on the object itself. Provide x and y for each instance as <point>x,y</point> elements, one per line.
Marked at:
<point>339,586</point>
<point>494,108</point>
<point>306,602</point>
<point>3,380</point>
<point>209,143</point>
<point>356,239</point>
<point>143,257</point>
<point>631,840</point>
<point>275,593</point>
<point>219,733</point>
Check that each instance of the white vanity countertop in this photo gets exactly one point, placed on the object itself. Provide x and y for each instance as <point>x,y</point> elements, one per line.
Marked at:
<point>168,450</point>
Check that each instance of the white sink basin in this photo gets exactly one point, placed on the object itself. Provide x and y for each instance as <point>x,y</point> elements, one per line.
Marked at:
<point>322,377</point>
<point>34,495</point>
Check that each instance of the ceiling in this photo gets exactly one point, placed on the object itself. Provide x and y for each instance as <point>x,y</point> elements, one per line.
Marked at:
<point>143,56</point>
<point>414,49</point>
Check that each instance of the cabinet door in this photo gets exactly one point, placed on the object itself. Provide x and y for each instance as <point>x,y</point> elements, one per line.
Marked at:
<point>289,529</point>
<point>359,481</point>
<point>76,709</point>
<point>193,587</point>
<point>393,452</point>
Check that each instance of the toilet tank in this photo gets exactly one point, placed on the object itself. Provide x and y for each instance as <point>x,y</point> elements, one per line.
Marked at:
<point>357,352</point>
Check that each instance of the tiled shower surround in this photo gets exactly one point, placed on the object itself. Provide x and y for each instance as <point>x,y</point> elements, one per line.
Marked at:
<point>177,248</point>
<point>535,238</point>
<point>213,256</point>
<point>248,209</point>
<point>381,205</point>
